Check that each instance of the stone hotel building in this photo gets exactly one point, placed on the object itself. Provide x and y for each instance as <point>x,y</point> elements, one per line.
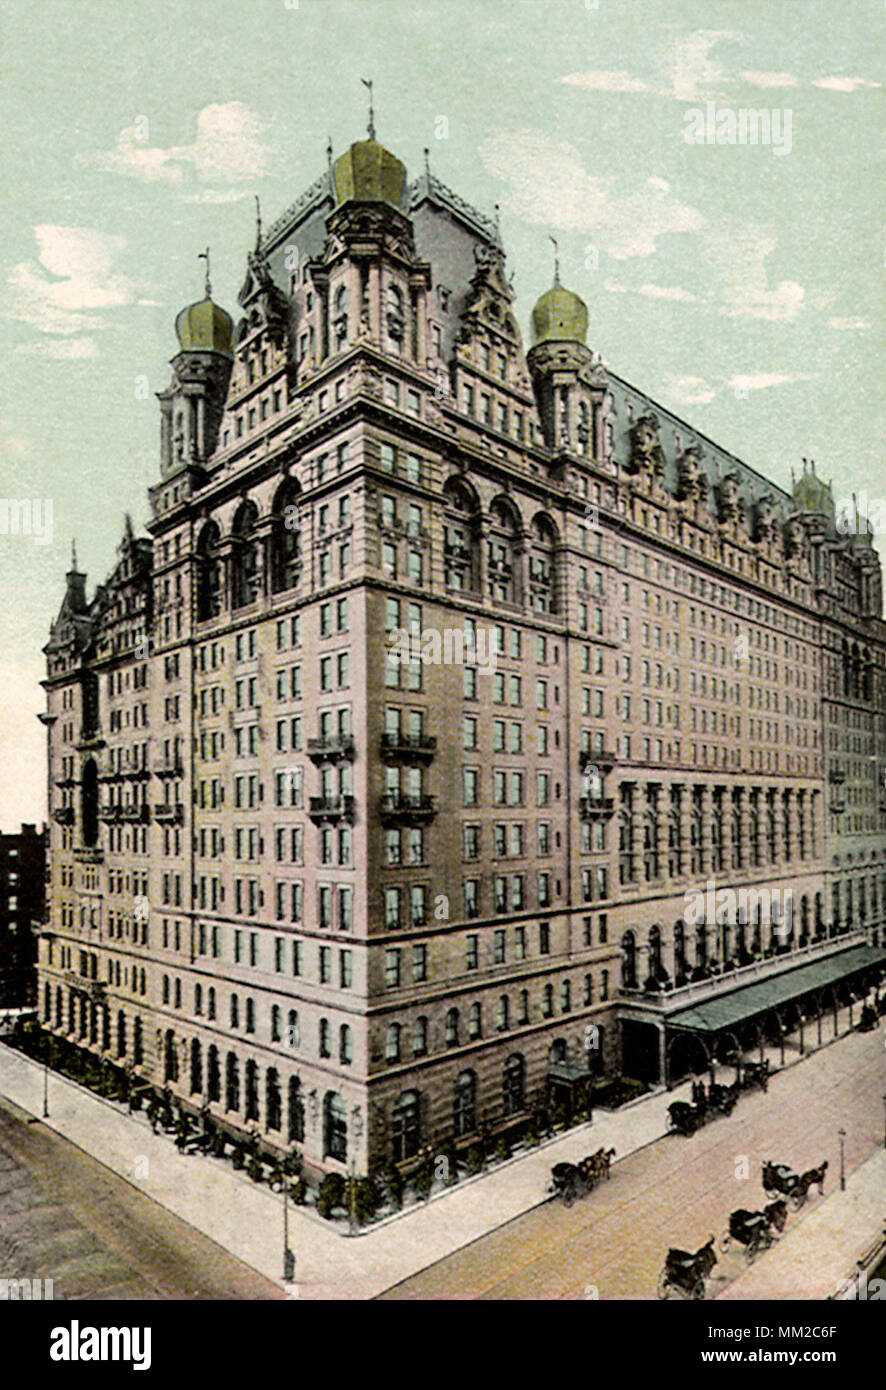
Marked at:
<point>361,904</point>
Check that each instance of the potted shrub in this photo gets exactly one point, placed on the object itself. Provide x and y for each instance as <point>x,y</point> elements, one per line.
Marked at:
<point>364,1197</point>
<point>237,1156</point>
<point>502,1149</point>
<point>475,1160</point>
<point>297,1192</point>
<point>423,1179</point>
<point>254,1168</point>
<point>331,1194</point>
<point>393,1180</point>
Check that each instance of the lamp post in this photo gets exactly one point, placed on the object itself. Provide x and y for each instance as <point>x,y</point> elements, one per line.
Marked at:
<point>884,1122</point>
<point>842,1134</point>
<point>288,1257</point>
<point>46,1088</point>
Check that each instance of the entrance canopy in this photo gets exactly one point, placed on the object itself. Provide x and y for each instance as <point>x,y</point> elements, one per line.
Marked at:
<point>749,1001</point>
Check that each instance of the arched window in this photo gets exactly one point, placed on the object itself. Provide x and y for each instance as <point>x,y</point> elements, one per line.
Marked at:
<point>680,950</point>
<point>452,1028</point>
<point>515,1085</point>
<point>465,1106</point>
<point>286,544</point>
<point>121,1033</point>
<point>209,573</point>
<point>170,1057</point>
<point>461,549</point>
<point>345,1044</point>
<point>213,1074</point>
<point>394,317</point>
<point>196,1067</point>
<point>475,1020</point>
<point>275,1023</point>
<point>89,803</point>
<point>505,561</point>
<point>543,565</point>
<point>251,1110</point>
<point>656,968</point>
<point>340,318</point>
<point>406,1126</point>
<point>293,1030</point>
<point>628,961</point>
<point>420,1037</point>
<point>335,1127</point>
<point>296,1111</point>
<point>273,1108</point>
<point>232,1083</point>
<point>138,1046</point>
<point>245,577</point>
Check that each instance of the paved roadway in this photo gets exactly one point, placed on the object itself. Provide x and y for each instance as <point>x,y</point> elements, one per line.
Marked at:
<point>65,1217</point>
<point>676,1191</point>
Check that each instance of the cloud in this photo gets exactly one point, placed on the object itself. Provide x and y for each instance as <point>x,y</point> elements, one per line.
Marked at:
<point>550,187</point>
<point>689,72</point>
<point>691,390</point>
<point>845,325</point>
<point>760,381</point>
<point>214,195</point>
<point>227,147</point>
<point>606,82</point>
<point>671,292</point>
<point>73,273</point>
<point>769,79</point>
<point>747,294</point>
<point>844,84</point>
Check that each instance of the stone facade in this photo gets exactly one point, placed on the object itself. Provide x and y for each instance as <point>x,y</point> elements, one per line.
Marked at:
<point>363,903</point>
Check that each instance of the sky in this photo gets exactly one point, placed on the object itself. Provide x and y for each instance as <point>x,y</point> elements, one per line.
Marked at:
<point>741,285</point>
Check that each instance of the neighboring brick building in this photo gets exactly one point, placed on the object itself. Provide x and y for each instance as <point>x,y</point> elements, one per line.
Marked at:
<point>391,900</point>
<point>22,902</point>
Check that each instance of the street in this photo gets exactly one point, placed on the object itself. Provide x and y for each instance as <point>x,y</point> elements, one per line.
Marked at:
<point>66,1217</point>
<point>677,1191</point>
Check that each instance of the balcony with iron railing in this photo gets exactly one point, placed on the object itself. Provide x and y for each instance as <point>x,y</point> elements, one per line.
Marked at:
<point>594,807</point>
<point>399,806</point>
<point>724,981</point>
<point>331,748</point>
<point>332,809</point>
<point>605,758</point>
<point>169,812</point>
<point>408,747</point>
<point>96,989</point>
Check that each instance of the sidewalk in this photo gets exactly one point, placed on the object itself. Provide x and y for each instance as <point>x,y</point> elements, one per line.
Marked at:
<point>247,1219</point>
<point>814,1257</point>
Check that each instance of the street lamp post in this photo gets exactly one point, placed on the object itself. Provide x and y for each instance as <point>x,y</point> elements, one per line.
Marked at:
<point>842,1134</point>
<point>46,1088</point>
<point>884,1122</point>
<point>288,1257</point>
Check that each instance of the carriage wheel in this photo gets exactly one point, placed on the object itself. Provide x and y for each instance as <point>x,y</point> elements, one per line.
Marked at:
<point>755,1244</point>
<point>698,1288</point>
<point>663,1284</point>
<point>568,1197</point>
<point>771,1193</point>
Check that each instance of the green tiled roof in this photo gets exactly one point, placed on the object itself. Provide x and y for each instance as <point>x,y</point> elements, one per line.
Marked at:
<point>749,1001</point>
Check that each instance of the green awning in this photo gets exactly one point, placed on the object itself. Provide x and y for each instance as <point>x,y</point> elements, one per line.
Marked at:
<point>749,1001</point>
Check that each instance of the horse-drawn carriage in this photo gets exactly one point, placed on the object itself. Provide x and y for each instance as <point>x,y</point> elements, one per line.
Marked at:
<point>754,1229</point>
<point>571,1180</point>
<point>778,1179</point>
<point>685,1117</point>
<point>755,1074</point>
<point>687,1272</point>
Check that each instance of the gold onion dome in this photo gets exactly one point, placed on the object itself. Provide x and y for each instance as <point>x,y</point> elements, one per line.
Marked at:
<point>205,326</point>
<point>811,493</point>
<point>559,317</point>
<point>369,173</point>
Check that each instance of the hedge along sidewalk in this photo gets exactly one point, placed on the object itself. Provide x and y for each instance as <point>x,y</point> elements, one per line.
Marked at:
<point>247,1219</point>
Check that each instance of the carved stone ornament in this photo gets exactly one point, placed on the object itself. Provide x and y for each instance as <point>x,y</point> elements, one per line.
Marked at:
<point>646,450</point>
